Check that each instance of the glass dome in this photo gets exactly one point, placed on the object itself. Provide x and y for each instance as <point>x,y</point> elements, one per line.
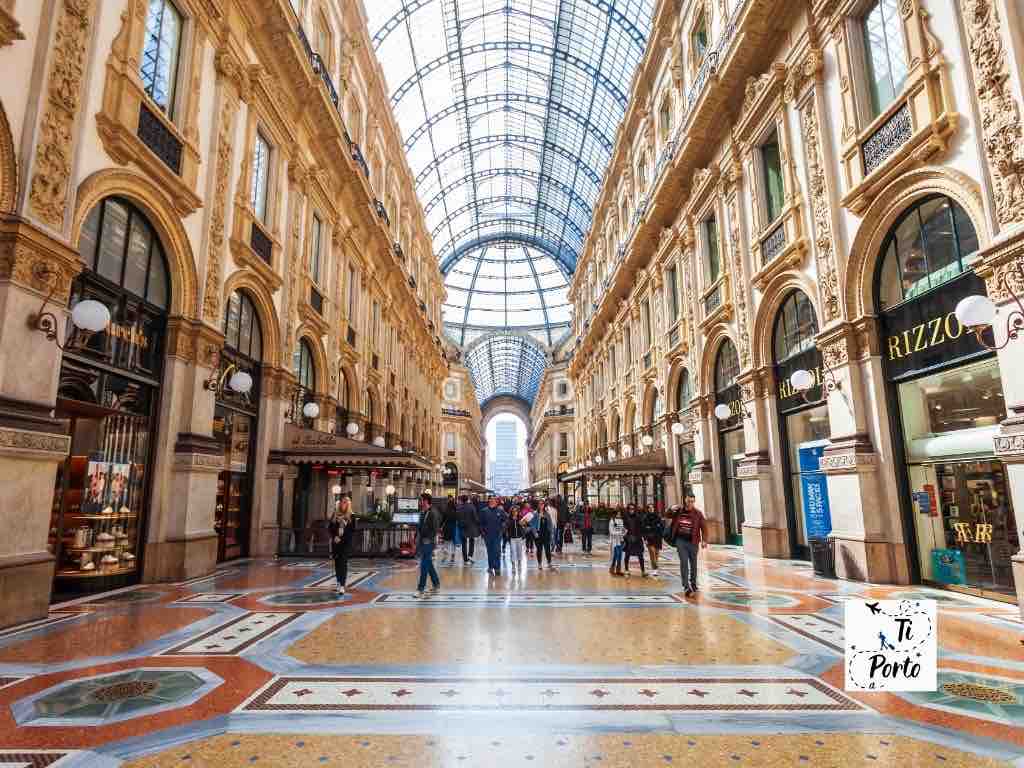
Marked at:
<point>509,110</point>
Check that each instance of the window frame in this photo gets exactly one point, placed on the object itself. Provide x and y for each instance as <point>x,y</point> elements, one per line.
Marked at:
<point>868,106</point>
<point>316,265</point>
<point>672,281</point>
<point>770,216</point>
<point>261,172</point>
<point>173,80</point>
<point>709,239</point>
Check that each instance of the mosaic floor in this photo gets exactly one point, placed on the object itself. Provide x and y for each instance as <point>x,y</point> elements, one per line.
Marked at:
<point>263,663</point>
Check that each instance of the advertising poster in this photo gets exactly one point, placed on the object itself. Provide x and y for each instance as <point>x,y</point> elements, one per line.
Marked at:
<point>814,491</point>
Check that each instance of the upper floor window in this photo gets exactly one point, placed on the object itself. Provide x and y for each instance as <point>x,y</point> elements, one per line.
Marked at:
<point>323,39</point>
<point>449,443</point>
<point>699,38</point>
<point>684,393</point>
<point>304,366</point>
<point>932,242</point>
<point>297,7</point>
<point>712,264</point>
<point>641,172</point>
<point>628,345</point>
<point>260,177</point>
<point>645,313</point>
<point>885,53</point>
<point>563,444</point>
<point>353,293</point>
<point>563,389</point>
<point>665,119</point>
<point>314,249</point>
<point>159,69</point>
<point>625,217</point>
<point>771,165</point>
<point>673,294</point>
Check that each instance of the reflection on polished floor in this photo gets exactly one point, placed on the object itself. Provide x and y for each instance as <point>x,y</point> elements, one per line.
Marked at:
<point>264,664</point>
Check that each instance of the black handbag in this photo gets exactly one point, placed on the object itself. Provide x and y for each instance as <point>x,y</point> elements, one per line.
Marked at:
<point>668,533</point>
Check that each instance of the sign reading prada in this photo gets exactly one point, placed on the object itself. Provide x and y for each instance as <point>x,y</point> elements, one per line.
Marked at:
<point>923,333</point>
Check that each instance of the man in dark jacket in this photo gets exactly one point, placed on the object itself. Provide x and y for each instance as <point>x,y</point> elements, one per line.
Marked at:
<point>689,532</point>
<point>492,522</point>
<point>469,519</point>
<point>563,522</point>
<point>427,530</point>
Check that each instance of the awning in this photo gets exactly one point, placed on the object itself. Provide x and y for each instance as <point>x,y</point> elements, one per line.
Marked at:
<point>470,484</point>
<point>650,463</point>
<point>308,446</point>
<point>545,483</point>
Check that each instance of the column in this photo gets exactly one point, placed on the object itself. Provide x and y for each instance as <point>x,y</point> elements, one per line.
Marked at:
<point>702,479</point>
<point>32,443</point>
<point>867,529</point>
<point>274,478</point>
<point>182,542</point>
<point>764,526</point>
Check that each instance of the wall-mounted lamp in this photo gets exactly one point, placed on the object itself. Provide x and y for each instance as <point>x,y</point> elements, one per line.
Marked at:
<point>398,447</point>
<point>390,490</point>
<point>379,441</point>
<point>979,313</point>
<point>611,454</point>
<point>352,429</point>
<point>647,440</point>
<point>236,380</point>
<point>804,381</point>
<point>723,412</point>
<point>311,410</point>
<point>678,428</point>
<point>336,490</point>
<point>88,316</point>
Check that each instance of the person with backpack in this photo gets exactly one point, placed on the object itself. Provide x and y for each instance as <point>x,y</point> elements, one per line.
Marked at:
<point>652,527</point>
<point>427,531</point>
<point>689,533</point>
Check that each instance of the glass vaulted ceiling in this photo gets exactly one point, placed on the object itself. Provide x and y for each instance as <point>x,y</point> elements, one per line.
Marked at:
<point>509,110</point>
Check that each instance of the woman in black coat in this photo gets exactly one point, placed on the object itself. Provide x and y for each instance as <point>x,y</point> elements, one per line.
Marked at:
<point>342,528</point>
<point>634,538</point>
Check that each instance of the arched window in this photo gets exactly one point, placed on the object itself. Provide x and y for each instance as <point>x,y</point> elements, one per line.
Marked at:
<point>658,407</point>
<point>370,407</point>
<point>727,367</point>
<point>119,244</point>
<point>242,333</point>
<point>304,366</point>
<point>931,242</point>
<point>683,391</point>
<point>796,325</point>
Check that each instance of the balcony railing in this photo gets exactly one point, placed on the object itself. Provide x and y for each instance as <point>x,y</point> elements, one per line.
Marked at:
<point>316,300</point>
<point>673,338</point>
<point>350,337</point>
<point>260,243</point>
<point>460,412</point>
<point>561,411</point>
<point>713,300</point>
<point>773,244</point>
<point>890,136</point>
<point>378,206</point>
<point>412,281</point>
<point>647,360</point>
<point>706,70</point>
<point>155,135</point>
<point>397,247</point>
<point>357,155</point>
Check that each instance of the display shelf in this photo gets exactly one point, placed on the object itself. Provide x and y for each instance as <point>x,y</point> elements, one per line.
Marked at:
<point>77,574</point>
<point>80,516</point>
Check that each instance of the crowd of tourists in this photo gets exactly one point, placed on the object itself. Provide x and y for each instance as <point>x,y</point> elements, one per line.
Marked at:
<point>515,529</point>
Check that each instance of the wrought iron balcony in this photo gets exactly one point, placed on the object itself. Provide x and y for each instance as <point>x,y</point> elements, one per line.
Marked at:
<point>261,244</point>
<point>350,337</point>
<point>382,211</point>
<point>397,247</point>
<point>460,412</point>
<point>316,300</point>
<point>773,244</point>
<point>357,155</point>
<point>890,136</point>
<point>159,138</point>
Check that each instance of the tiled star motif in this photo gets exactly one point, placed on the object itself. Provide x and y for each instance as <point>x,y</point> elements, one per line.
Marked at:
<point>525,598</point>
<point>817,628</point>
<point>209,597</point>
<point>309,694</point>
<point>233,637</point>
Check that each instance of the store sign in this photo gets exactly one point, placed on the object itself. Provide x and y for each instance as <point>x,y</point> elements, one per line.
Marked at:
<point>789,397</point>
<point>814,491</point>
<point>924,332</point>
<point>979,533</point>
<point>132,334</point>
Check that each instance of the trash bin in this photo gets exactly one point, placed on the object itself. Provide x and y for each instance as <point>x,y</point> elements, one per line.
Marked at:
<point>823,557</point>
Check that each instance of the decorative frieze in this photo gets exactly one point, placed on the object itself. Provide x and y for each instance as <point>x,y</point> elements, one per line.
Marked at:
<point>37,444</point>
<point>1001,130</point>
<point>821,209</point>
<point>48,193</point>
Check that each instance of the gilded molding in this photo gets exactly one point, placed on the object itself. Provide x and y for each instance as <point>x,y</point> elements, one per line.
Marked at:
<point>821,209</point>
<point>8,165</point>
<point>1001,130</point>
<point>33,260</point>
<point>218,212</point>
<point>34,444</point>
<point>193,342</point>
<point>48,193</point>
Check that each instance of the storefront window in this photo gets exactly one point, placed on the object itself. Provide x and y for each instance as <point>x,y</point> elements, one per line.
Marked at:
<point>730,438</point>
<point>108,397</point>
<point>931,243</point>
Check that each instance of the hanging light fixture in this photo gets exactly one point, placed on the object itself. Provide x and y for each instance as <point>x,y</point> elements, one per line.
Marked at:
<point>352,429</point>
<point>678,428</point>
<point>311,410</point>
<point>647,440</point>
<point>88,316</point>
<point>233,377</point>
<point>379,441</point>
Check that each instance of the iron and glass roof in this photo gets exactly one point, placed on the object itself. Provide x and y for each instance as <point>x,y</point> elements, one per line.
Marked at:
<point>506,363</point>
<point>509,110</point>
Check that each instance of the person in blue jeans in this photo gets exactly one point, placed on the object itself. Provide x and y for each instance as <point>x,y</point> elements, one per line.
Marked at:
<point>616,540</point>
<point>426,533</point>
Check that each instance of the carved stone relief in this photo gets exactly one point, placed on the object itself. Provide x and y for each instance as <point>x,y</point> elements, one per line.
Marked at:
<point>828,282</point>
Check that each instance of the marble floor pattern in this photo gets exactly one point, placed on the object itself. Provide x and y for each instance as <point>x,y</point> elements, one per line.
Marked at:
<point>264,664</point>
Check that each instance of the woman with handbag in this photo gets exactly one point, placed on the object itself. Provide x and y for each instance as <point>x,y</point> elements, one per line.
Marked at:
<point>341,528</point>
<point>634,539</point>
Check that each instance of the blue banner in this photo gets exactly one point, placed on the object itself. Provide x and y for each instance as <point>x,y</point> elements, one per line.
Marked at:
<point>948,566</point>
<point>814,493</point>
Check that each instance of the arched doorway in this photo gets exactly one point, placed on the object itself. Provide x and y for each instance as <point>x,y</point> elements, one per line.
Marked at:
<point>945,391</point>
<point>235,424</point>
<point>803,423</point>
<point>450,475</point>
<point>730,439</point>
<point>109,395</point>
<point>687,451</point>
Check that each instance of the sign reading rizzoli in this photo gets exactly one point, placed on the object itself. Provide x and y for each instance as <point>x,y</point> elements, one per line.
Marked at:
<point>923,333</point>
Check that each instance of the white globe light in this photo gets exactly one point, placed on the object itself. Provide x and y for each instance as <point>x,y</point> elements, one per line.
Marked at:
<point>975,310</point>
<point>390,490</point>
<point>336,490</point>
<point>352,428</point>
<point>597,459</point>
<point>240,382</point>
<point>722,412</point>
<point>627,449</point>
<point>647,440</point>
<point>678,428</point>
<point>90,315</point>
<point>311,410</point>
<point>398,447</point>
<point>802,380</point>
<point>378,441</point>
<point>590,463</point>
<point>611,454</point>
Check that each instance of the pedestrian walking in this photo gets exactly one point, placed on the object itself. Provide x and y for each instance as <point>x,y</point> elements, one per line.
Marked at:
<point>689,533</point>
<point>427,531</point>
<point>653,527</point>
<point>450,530</point>
<point>616,537</point>
<point>492,519</point>
<point>516,534</point>
<point>634,546</point>
<point>342,528</point>
<point>543,525</point>
<point>469,522</point>
<point>562,521</point>
<point>587,531</point>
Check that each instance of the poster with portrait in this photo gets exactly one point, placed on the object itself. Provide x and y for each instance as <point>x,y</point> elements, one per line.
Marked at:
<point>120,488</point>
<point>94,498</point>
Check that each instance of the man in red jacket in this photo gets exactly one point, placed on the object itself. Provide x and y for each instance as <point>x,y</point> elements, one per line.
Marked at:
<point>690,532</point>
